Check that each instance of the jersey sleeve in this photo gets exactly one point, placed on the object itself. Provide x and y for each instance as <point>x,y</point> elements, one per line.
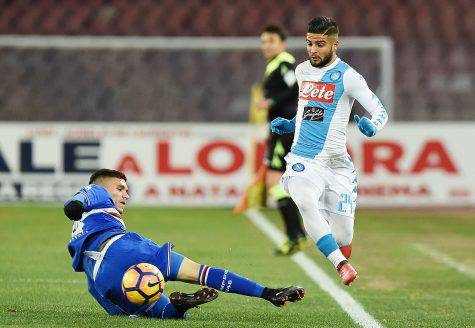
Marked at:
<point>92,197</point>
<point>358,89</point>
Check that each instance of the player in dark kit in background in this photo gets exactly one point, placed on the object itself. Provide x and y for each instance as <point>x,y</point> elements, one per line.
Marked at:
<point>280,91</point>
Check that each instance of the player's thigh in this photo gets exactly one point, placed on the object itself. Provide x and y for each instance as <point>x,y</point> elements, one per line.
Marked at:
<point>304,192</point>
<point>304,181</point>
<point>342,227</point>
<point>341,192</point>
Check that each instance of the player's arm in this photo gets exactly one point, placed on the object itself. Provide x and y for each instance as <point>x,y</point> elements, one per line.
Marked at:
<point>74,207</point>
<point>287,74</point>
<point>88,198</point>
<point>358,89</point>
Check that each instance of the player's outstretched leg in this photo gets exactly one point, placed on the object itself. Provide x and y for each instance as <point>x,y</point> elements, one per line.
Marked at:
<point>306,194</point>
<point>230,282</point>
<point>295,236</point>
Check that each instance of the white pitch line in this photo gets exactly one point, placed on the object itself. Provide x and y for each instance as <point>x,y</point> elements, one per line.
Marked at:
<point>445,259</point>
<point>343,298</point>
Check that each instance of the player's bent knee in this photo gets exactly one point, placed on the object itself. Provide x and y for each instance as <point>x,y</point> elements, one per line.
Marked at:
<point>342,228</point>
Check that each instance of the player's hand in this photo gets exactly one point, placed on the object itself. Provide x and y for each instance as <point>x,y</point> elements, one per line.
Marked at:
<point>281,125</point>
<point>74,210</point>
<point>366,126</point>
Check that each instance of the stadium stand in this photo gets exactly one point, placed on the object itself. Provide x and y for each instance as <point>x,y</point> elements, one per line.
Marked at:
<point>434,41</point>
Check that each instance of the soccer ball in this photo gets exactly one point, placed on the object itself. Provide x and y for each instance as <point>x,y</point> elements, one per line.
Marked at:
<point>143,284</point>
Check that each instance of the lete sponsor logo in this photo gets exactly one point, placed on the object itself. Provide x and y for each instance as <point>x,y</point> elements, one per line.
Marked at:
<point>317,91</point>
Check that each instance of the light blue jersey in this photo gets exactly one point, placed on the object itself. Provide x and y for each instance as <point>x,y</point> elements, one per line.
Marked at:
<point>326,96</point>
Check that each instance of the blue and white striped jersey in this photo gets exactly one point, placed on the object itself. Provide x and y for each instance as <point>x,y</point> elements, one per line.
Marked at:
<point>326,96</point>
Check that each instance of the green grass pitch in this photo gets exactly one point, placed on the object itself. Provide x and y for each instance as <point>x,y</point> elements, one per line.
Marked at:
<point>398,285</point>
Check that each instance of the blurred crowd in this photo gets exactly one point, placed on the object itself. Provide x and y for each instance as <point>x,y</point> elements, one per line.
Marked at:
<point>434,41</point>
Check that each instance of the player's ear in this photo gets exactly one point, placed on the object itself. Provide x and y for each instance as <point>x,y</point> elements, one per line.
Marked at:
<point>336,44</point>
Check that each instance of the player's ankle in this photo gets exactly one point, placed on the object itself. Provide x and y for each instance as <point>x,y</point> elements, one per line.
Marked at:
<point>342,263</point>
<point>267,292</point>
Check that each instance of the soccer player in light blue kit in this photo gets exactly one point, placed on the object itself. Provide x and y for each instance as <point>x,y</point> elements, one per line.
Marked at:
<point>320,176</point>
<point>102,248</point>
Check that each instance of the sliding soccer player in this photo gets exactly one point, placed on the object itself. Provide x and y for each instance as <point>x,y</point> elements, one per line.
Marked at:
<point>102,248</point>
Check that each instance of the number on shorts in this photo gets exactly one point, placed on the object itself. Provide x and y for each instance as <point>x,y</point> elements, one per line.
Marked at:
<point>345,204</point>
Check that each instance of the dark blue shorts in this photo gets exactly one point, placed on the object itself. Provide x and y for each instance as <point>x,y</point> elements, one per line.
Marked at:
<point>125,252</point>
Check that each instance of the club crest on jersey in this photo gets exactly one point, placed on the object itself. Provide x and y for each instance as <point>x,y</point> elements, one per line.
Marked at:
<point>317,91</point>
<point>298,167</point>
<point>335,76</point>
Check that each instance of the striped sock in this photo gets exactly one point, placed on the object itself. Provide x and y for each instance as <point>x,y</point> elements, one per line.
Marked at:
<point>228,282</point>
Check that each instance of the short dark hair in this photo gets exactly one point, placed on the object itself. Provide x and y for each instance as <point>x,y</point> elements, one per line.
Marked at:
<point>272,28</point>
<point>106,173</point>
<point>323,25</point>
